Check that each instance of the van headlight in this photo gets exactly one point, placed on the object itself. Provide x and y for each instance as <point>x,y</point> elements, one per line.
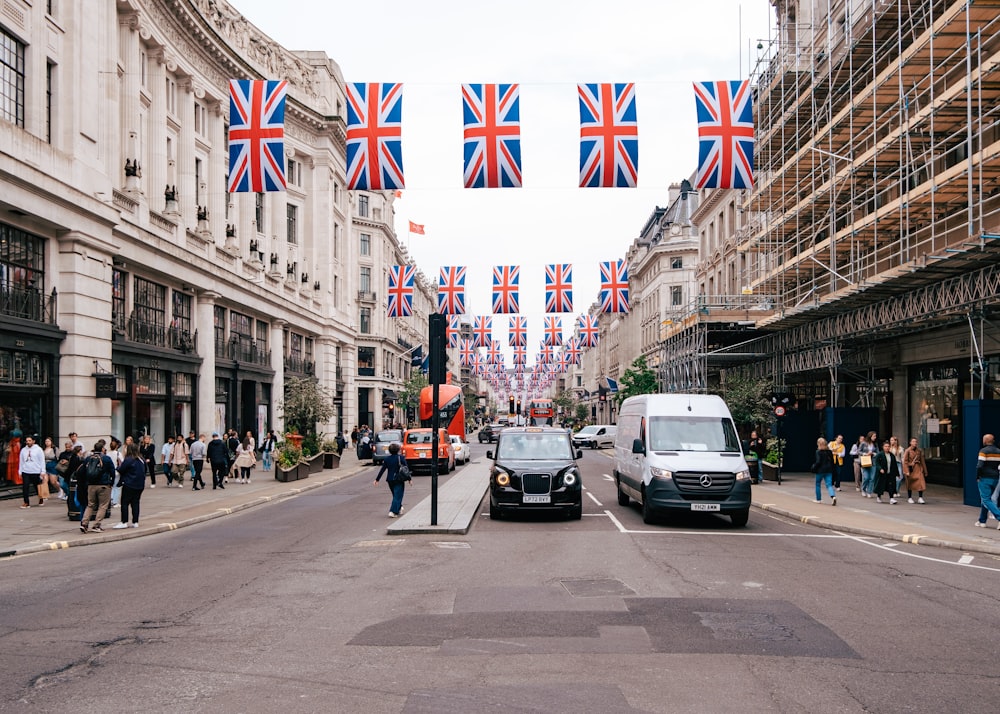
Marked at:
<point>660,473</point>
<point>742,475</point>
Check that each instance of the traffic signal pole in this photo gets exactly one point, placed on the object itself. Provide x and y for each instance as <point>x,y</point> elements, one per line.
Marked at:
<point>437,367</point>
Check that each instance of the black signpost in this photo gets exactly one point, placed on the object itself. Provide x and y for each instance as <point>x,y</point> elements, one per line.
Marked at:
<point>437,368</point>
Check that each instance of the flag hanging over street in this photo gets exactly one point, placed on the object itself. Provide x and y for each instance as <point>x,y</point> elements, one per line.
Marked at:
<point>453,331</point>
<point>589,334</point>
<point>492,135</point>
<point>725,134</point>
<point>573,351</point>
<point>374,129</point>
<point>609,135</point>
<point>482,330</point>
<point>451,291</point>
<point>559,287</point>
<point>417,228</point>
<point>517,331</point>
<point>505,288</point>
<point>256,135</point>
<point>614,286</point>
<point>465,353</point>
<point>400,302</point>
<point>552,331</point>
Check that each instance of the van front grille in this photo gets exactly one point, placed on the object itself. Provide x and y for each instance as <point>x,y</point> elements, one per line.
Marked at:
<point>691,482</point>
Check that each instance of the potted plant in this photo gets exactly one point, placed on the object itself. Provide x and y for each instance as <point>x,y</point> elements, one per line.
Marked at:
<point>331,457</point>
<point>774,458</point>
<point>286,462</point>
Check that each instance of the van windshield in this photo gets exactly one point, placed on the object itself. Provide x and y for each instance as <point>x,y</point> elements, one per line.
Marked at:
<point>691,433</point>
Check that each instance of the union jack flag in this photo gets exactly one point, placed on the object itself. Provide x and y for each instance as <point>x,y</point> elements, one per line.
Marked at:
<point>553,331</point>
<point>573,350</point>
<point>505,288</point>
<point>482,330</point>
<point>492,135</point>
<point>545,353</point>
<point>725,134</point>
<point>453,331</point>
<point>493,353</point>
<point>562,362</point>
<point>517,332</point>
<point>465,353</point>
<point>451,291</point>
<point>374,129</point>
<point>614,286</point>
<point>520,355</point>
<point>256,135</point>
<point>559,287</point>
<point>589,335</point>
<point>609,143</point>
<point>401,290</point>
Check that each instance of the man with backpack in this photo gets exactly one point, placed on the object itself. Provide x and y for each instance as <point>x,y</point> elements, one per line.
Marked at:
<point>98,472</point>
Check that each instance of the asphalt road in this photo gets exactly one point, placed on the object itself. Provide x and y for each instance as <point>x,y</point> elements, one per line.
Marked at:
<point>307,606</point>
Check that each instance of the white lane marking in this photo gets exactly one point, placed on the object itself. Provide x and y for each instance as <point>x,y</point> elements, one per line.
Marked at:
<point>923,557</point>
<point>594,499</point>
<point>609,477</point>
<point>965,559</point>
<point>621,528</point>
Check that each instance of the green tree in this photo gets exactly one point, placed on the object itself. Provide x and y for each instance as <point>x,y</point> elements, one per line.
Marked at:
<point>409,396</point>
<point>748,400</point>
<point>306,403</point>
<point>582,412</point>
<point>565,401</point>
<point>638,379</point>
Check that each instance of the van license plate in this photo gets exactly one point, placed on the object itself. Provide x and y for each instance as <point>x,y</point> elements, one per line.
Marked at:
<point>705,507</point>
<point>537,499</point>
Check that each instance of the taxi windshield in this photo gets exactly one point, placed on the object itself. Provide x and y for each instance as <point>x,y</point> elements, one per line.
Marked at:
<point>535,447</point>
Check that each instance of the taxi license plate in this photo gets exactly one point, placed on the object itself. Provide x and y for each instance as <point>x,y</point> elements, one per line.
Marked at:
<point>423,454</point>
<point>705,507</point>
<point>537,499</point>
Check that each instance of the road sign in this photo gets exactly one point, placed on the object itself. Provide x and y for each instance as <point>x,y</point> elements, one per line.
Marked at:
<point>779,411</point>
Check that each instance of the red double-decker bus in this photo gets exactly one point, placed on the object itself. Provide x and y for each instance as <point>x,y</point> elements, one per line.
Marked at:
<point>541,412</point>
<point>451,406</point>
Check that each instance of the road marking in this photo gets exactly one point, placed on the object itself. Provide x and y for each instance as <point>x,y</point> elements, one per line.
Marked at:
<point>621,528</point>
<point>594,499</point>
<point>961,561</point>
<point>965,559</point>
<point>609,477</point>
<point>451,544</point>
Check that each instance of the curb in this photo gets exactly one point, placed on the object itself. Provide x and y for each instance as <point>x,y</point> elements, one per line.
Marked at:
<point>110,537</point>
<point>914,539</point>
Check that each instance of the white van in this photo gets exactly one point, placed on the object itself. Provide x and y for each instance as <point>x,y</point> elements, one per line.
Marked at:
<point>680,452</point>
<point>596,436</point>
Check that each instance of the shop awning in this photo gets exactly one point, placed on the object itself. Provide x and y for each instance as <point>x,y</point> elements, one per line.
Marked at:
<point>388,395</point>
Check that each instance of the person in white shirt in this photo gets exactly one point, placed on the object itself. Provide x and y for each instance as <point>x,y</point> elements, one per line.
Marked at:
<point>165,451</point>
<point>30,467</point>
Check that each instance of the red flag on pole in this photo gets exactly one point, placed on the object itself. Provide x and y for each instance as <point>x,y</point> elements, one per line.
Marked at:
<point>417,228</point>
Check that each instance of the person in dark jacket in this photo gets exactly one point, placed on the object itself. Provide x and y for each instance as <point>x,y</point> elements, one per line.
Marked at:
<point>98,488</point>
<point>133,476</point>
<point>886,473</point>
<point>147,450</point>
<point>823,468</point>
<point>218,457</point>
<point>391,464</point>
<point>758,448</point>
<point>71,457</point>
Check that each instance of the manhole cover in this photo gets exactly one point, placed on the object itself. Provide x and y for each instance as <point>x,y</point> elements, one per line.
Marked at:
<point>597,588</point>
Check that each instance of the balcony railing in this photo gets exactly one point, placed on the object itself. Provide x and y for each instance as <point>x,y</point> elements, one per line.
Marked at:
<point>28,304</point>
<point>366,296</point>
<point>173,338</point>
<point>297,365</point>
<point>239,351</point>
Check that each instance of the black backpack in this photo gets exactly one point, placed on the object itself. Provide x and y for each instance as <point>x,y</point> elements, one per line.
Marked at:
<point>94,468</point>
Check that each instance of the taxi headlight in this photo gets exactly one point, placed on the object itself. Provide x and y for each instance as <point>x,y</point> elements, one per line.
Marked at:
<point>503,479</point>
<point>570,478</point>
<point>660,473</point>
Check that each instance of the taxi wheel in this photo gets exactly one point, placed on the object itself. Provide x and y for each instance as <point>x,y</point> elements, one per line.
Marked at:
<point>495,514</point>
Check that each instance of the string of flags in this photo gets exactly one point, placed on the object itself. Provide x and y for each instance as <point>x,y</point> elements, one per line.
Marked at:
<point>609,135</point>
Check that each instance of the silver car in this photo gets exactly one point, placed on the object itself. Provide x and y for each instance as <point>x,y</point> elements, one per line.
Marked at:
<point>382,441</point>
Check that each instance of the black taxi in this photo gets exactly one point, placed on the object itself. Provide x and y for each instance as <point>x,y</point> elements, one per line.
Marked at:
<point>534,469</point>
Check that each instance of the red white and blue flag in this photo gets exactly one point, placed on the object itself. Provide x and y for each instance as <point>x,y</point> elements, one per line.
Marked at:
<point>520,355</point>
<point>494,355</point>
<point>465,353</point>
<point>451,290</point>
<point>545,353</point>
<point>609,135</point>
<point>482,330</point>
<point>453,331</point>
<point>401,290</point>
<point>492,135</point>
<point>517,331</point>
<point>589,334</point>
<point>374,130</point>
<point>505,288</point>
<point>559,287</point>
<point>256,135</point>
<point>614,286</point>
<point>573,350</point>
<point>552,331</point>
<point>725,134</point>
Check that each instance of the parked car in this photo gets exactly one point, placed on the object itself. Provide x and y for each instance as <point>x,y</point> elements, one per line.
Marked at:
<point>488,434</point>
<point>418,450</point>
<point>534,468</point>
<point>462,452</point>
<point>382,441</point>
<point>596,436</point>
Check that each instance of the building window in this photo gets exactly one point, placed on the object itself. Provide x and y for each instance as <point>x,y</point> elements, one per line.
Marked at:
<point>22,257</point>
<point>241,330</point>
<point>219,322</point>
<point>336,290</point>
<point>309,349</point>
<point>197,182</point>
<point>149,311</point>
<point>258,214</point>
<point>118,279</point>
<point>150,381</point>
<point>49,78</point>
<point>366,321</point>
<point>11,79</point>
<point>292,221</point>
<point>676,295</point>
<point>336,241</point>
<point>180,317</point>
<point>171,96</point>
<point>295,347</point>
<point>293,173</point>
<point>262,329</point>
<point>366,244</point>
<point>676,263</point>
<point>366,280</point>
<point>183,385</point>
<point>363,206</point>
<point>366,361</point>
<point>200,119</point>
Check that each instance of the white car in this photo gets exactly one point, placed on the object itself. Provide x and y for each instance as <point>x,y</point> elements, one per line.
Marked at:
<point>596,437</point>
<point>462,451</point>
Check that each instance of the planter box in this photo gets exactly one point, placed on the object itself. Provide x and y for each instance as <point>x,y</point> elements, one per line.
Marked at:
<point>312,466</point>
<point>331,460</point>
<point>768,471</point>
<point>291,474</point>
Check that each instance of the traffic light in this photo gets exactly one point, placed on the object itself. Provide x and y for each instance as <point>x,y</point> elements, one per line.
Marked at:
<point>511,409</point>
<point>518,407</point>
<point>438,346</point>
<point>392,413</point>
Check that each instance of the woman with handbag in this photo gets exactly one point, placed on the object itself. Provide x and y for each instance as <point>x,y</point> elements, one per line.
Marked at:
<point>866,457</point>
<point>823,468</point>
<point>398,475</point>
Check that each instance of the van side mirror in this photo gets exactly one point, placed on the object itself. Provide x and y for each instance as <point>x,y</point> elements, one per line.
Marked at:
<point>489,454</point>
<point>637,447</point>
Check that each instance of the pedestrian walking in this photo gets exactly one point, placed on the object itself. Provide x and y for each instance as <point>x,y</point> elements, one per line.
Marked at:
<point>51,461</point>
<point>245,459</point>
<point>66,465</point>
<point>897,451</point>
<point>267,448</point>
<point>98,472</point>
<point>132,473</point>
<point>218,458</point>
<point>887,473</point>
<point>823,468</point>
<point>354,438</point>
<point>147,450</point>
<point>232,443</point>
<point>196,453</point>
<point>856,462</point>
<point>866,457</point>
<point>165,452</point>
<point>758,448</point>
<point>838,447</point>
<point>397,484</point>
<point>30,469</point>
<point>178,462</point>
<point>914,471</point>
<point>987,477</point>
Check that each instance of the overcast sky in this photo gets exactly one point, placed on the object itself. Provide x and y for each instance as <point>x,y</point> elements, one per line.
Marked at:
<point>546,46</point>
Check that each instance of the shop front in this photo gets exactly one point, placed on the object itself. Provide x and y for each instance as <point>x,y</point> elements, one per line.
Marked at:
<point>936,393</point>
<point>154,394</point>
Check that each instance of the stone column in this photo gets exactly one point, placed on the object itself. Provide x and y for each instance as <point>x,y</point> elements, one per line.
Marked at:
<point>218,163</point>
<point>185,154</point>
<point>131,58</point>
<point>157,170</point>
<point>278,365</point>
<point>277,206</point>
<point>204,312</point>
